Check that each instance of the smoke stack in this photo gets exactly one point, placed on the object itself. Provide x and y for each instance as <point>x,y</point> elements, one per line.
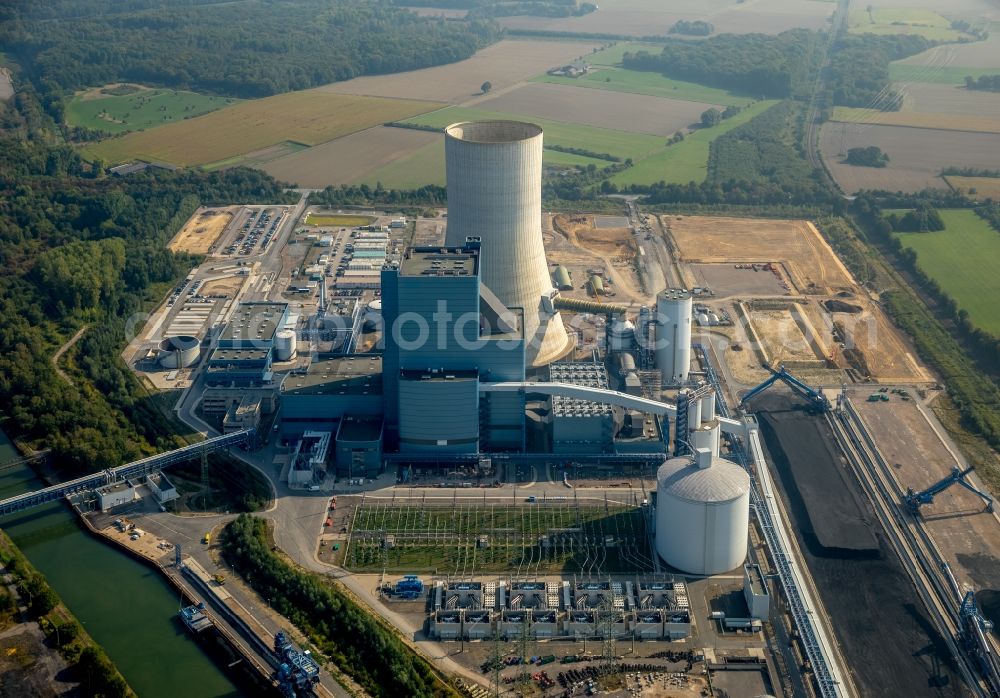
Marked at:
<point>495,193</point>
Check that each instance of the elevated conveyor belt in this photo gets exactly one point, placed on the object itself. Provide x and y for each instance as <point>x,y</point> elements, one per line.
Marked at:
<point>135,469</point>
<point>603,396</point>
<point>579,305</point>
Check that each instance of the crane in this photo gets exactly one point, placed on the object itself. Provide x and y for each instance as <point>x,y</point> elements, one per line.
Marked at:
<point>974,632</point>
<point>814,396</point>
<point>915,500</point>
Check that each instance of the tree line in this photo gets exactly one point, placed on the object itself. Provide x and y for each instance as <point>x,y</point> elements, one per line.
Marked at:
<point>359,644</point>
<point>753,64</point>
<point>235,49</point>
<point>79,248</point>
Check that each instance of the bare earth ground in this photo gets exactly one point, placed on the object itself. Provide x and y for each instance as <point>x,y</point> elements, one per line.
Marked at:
<point>6,86</point>
<point>967,535</point>
<point>227,287</point>
<point>813,267</point>
<point>916,155</point>
<point>348,159</point>
<point>503,64</point>
<point>580,247</point>
<point>781,335</point>
<point>601,108</point>
<point>202,230</point>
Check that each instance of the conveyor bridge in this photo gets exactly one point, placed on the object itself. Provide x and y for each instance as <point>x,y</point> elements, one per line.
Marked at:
<point>137,468</point>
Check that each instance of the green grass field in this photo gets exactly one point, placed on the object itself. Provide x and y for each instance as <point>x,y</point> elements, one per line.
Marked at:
<point>140,110</point>
<point>647,83</point>
<point>426,166</point>
<point>926,23</point>
<point>686,161</point>
<point>947,75</point>
<point>601,140</point>
<point>962,259</point>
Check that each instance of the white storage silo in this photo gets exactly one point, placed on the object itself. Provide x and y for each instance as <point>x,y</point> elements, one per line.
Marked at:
<point>494,173</point>
<point>702,513</point>
<point>181,351</point>
<point>621,334</point>
<point>284,345</point>
<point>674,308</point>
<point>373,315</point>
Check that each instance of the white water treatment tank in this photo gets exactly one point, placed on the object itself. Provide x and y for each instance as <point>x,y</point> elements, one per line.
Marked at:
<point>284,345</point>
<point>702,513</point>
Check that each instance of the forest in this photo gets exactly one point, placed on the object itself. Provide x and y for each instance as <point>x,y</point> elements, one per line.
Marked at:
<point>234,49</point>
<point>357,642</point>
<point>859,69</point>
<point>758,65</point>
<point>78,248</point>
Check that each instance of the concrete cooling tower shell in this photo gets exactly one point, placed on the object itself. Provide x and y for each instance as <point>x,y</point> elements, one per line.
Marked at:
<point>702,513</point>
<point>179,352</point>
<point>494,171</point>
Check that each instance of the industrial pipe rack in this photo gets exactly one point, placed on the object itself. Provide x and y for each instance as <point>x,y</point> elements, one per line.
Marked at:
<point>137,468</point>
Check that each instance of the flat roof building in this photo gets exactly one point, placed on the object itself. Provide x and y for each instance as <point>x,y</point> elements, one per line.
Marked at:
<point>254,325</point>
<point>318,397</point>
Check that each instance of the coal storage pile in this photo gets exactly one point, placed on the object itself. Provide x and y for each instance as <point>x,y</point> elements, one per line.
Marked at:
<point>885,634</point>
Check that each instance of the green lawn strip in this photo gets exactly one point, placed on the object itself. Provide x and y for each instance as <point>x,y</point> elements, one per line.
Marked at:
<point>600,140</point>
<point>141,110</point>
<point>962,259</point>
<point>686,161</point>
<point>947,75</point>
<point>647,83</point>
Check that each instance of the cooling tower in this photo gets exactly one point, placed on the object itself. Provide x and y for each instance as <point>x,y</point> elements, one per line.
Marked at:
<point>495,193</point>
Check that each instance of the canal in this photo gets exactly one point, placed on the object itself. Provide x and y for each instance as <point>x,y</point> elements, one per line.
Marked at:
<point>125,606</point>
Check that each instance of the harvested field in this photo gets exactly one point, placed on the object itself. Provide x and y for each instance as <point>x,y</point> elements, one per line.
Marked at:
<point>348,159</point>
<point>647,17</point>
<point>202,230</point>
<point>855,573</point>
<point>946,99</point>
<point>978,54</point>
<point>917,155</point>
<point>810,264</point>
<point>309,118</point>
<point>964,532</point>
<point>884,20</point>
<point>976,187</point>
<point>969,120</point>
<point>504,64</point>
<point>601,108</point>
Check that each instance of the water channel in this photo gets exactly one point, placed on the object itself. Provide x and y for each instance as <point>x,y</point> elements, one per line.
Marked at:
<point>125,605</point>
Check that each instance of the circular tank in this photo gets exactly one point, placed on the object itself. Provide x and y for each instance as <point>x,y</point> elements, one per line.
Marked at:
<point>702,513</point>
<point>373,316</point>
<point>621,335</point>
<point>179,352</point>
<point>702,318</point>
<point>284,345</point>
